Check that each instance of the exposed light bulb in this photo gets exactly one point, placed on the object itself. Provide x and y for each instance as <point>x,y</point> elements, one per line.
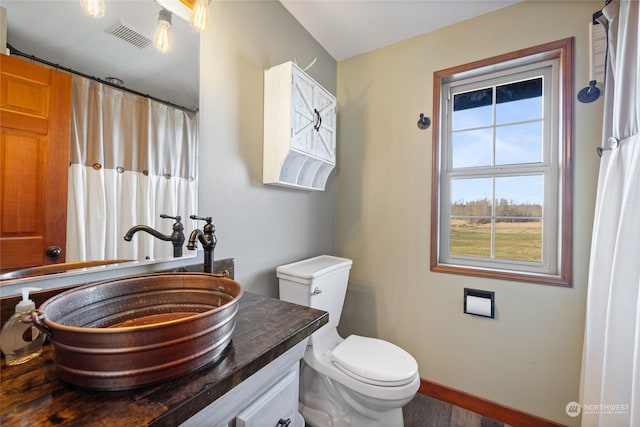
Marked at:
<point>162,38</point>
<point>200,15</point>
<point>94,8</point>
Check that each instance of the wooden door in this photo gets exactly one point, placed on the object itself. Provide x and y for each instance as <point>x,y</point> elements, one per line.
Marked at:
<point>35,110</point>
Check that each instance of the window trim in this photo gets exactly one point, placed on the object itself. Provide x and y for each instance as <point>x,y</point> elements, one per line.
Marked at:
<point>562,50</point>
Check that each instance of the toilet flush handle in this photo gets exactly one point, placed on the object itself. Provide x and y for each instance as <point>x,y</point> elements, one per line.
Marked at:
<point>317,291</point>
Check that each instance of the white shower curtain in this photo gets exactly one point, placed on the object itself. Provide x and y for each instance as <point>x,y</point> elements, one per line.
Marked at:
<point>610,388</point>
<point>132,159</point>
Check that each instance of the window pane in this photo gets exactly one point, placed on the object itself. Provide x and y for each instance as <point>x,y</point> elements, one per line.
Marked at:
<point>519,111</point>
<point>471,197</point>
<point>519,101</point>
<point>521,143</point>
<point>470,233</point>
<point>470,238</point>
<point>473,109</point>
<point>519,196</point>
<point>471,148</point>
<point>519,240</point>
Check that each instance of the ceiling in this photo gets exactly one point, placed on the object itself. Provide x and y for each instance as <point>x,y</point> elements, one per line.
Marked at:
<point>345,28</point>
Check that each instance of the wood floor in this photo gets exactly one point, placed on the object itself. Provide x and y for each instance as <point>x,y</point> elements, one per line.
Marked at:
<point>425,411</point>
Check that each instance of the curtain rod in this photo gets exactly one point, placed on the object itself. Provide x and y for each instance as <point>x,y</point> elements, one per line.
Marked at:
<point>15,51</point>
<point>598,14</point>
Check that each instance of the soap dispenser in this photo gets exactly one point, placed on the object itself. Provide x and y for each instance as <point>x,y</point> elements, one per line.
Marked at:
<point>20,341</point>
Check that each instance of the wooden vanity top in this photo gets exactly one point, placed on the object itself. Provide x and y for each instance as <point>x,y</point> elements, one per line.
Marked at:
<point>32,394</point>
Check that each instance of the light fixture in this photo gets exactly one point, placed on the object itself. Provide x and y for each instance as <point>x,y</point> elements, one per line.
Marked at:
<point>200,15</point>
<point>94,8</point>
<point>162,38</point>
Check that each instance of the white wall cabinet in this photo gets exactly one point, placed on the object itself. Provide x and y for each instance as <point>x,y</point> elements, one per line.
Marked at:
<point>299,129</point>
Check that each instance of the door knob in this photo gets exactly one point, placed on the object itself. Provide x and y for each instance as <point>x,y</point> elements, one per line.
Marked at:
<point>53,251</point>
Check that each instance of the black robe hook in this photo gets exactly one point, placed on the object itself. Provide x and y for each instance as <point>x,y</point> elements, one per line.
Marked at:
<point>424,122</point>
<point>590,93</point>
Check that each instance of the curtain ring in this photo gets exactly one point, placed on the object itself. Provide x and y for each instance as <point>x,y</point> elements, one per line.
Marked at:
<point>120,169</point>
<point>97,166</point>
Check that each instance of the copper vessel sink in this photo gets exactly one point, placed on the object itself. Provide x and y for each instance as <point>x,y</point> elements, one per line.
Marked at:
<point>128,333</point>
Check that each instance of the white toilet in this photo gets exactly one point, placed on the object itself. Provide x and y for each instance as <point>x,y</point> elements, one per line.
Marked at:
<point>352,382</point>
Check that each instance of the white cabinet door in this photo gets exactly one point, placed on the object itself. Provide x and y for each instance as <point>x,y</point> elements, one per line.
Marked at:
<point>302,113</point>
<point>277,407</point>
<point>313,113</point>
<point>325,143</point>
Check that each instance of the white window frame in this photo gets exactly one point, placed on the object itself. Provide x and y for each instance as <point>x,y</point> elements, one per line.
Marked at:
<point>552,62</point>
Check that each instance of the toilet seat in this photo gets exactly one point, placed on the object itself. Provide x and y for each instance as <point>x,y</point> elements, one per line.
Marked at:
<point>374,361</point>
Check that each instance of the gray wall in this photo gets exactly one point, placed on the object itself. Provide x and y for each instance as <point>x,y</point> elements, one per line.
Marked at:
<point>260,226</point>
<point>3,29</point>
<point>528,357</point>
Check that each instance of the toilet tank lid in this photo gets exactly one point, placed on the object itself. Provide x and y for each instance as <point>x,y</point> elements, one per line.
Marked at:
<point>312,268</point>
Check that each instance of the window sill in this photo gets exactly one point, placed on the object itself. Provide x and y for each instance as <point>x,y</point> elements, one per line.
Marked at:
<point>542,279</point>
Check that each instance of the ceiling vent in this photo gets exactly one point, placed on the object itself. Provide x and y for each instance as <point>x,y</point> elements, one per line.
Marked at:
<point>129,35</point>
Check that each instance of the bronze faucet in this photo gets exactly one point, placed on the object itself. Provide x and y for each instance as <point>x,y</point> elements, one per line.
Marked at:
<point>208,239</point>
<point>176,237</point>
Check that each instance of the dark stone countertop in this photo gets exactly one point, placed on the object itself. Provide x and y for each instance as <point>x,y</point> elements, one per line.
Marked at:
<point>32,394</point>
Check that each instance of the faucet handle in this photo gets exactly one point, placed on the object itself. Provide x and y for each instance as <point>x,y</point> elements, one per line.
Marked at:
<point>201,218</point>
<point>178,218</point>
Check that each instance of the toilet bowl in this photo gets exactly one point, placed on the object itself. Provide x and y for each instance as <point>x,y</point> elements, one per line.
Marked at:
<point>345,382</point>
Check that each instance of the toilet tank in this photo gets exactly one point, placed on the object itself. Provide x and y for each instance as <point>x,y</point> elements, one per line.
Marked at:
<point>319,282</point>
